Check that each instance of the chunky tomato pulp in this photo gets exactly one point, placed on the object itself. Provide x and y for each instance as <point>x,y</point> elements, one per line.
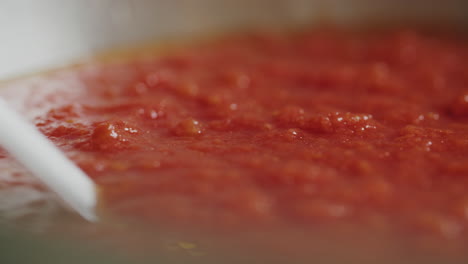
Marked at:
<point>308,129</point>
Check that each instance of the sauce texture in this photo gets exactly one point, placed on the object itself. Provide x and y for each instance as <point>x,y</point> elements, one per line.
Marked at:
<point>308,129</point>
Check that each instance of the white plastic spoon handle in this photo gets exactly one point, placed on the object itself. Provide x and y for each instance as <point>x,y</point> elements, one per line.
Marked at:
<point>40,156</point>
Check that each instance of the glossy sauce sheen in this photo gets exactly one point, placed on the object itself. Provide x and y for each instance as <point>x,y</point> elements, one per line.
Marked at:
<point>309,129</point>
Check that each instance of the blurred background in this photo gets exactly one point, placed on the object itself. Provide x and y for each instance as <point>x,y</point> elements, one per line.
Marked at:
<point>37,34</point>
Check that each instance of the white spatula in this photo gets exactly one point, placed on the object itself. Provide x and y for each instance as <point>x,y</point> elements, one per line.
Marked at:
<point>41,157</point>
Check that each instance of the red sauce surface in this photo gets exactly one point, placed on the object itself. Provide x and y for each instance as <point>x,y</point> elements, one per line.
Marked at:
<point>308,129</point>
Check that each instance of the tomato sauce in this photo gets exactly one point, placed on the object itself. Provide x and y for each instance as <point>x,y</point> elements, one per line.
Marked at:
<point>307,129</point>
